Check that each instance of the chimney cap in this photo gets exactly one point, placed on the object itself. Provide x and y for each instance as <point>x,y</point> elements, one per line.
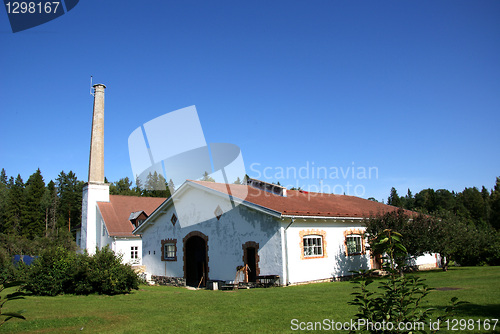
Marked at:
<point>99,84</point>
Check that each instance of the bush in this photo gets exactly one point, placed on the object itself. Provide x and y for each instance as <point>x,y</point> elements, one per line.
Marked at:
<point>6,267</point>
<point>58,270</point>
<point>12,244</point>
<point>108,275</point>
<point>51,273</point>
<point>399,299</point>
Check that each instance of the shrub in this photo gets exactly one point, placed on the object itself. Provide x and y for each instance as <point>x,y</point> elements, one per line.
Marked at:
<point>58,270</point>
<point>51,273</point>
<point>108,275</point>
<point>6,266</point>
<point>400,297</point>
<point>81,283</point>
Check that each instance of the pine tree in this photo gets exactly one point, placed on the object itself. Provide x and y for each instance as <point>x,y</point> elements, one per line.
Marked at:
<point>394,199</point>
<point>122,187</point>
<point>16,206</point>
<point>495,206</point>
<point>409,201</point>
<point>151,182</point>
<point>69,190</point>
<point>3,177</point>
<point>34,218</point>
<point>156,186</point>
<point>51,200</point>
<point>139,187</point>
<point>171,186</point>
<point>207,177</point>
<point>485,194</point>
<point>4,195</point>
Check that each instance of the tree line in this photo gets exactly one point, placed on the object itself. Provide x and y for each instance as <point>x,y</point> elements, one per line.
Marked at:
<point>34,210</point>
<point>38,209</point>
<point>463,227</point>
<point>479,206</point>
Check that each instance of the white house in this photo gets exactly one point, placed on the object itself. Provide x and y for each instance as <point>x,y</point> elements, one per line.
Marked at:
<point>207,230</point>
<point>296,235</point>
<point>114,218</point>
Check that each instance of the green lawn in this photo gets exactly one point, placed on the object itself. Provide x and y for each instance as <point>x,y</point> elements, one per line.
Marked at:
<point>176,310</point>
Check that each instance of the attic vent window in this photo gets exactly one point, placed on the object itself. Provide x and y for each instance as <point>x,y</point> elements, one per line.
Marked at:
<point>173,219</point>
<point>218,212</point>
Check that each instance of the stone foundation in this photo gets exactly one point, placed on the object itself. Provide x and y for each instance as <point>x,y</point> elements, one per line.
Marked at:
<point>170,281</point>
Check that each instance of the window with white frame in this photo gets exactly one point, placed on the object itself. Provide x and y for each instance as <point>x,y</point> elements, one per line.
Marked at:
<point>134,252</point>
<point>313,245</point>
<point>354,244</point>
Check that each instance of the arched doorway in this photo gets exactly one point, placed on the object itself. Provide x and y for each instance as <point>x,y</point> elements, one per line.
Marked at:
<point>251,258</point>
<point>195,259</point>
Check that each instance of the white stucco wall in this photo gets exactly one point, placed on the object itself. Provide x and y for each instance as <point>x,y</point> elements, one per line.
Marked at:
<point>119,245</point>
<point>225,236</point>
<point>102,235</point>
<point>426,261</point>
<point>123,246</point>
<point>335,263</point>
<point>92,193</point>
<point>280,244</point>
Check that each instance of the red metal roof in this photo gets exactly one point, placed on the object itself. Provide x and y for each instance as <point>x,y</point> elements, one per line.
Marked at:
<point>117,211</point>
<point>302,203</point>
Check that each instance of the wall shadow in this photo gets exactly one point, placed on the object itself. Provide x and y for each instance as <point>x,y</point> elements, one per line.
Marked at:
<point>345,264</point>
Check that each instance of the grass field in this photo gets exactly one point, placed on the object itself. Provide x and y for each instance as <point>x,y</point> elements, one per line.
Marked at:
<point>155,309</point>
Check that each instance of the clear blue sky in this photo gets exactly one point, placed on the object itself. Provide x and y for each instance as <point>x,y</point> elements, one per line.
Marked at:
<point>411,88</point>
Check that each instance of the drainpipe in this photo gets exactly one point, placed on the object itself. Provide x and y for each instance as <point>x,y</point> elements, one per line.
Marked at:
<point>286,252</point>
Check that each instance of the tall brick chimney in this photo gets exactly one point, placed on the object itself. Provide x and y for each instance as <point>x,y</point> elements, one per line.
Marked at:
<point>89,236</point>
<point>96,163</point>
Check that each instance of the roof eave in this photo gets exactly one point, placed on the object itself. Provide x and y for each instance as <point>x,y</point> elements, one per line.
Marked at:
<point>237,200</point>
<point>182,188</point>
<point>323,217</point>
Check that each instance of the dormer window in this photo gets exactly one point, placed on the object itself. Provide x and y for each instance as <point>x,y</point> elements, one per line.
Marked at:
<point>137,218</point>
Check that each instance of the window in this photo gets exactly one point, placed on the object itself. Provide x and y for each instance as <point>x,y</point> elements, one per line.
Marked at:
<point>354,244</point>
<point>103,229</point>
<point>313,245</point>
<point>134,252</point>
<point>169,250</point>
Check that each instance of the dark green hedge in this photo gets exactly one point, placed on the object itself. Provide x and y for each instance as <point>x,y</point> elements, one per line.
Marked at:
<point>57,271</point>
